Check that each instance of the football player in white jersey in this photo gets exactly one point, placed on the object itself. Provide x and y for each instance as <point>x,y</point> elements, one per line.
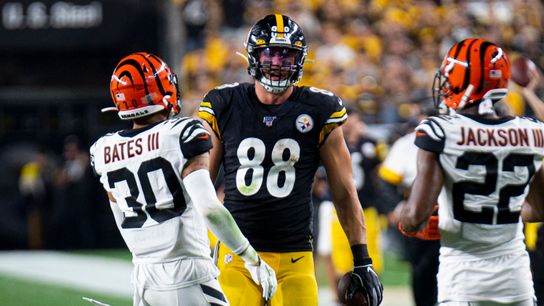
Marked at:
<point>485,166</point>
<point>157,180</point>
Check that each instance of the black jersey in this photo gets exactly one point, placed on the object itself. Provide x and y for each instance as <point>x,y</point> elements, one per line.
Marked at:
<point>364,160</point>
<point>270,157</point>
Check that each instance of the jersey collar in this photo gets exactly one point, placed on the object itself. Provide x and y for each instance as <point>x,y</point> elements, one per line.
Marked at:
<point>488,120</point>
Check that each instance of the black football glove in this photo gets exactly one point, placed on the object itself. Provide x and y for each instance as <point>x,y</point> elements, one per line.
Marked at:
<point>366,278</point>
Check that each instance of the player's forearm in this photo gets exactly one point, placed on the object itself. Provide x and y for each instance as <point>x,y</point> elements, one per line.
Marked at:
<point>227,231</point>
<point>536,104</point>
<point>418,208</point>
<point>533,208</point>
<point>351,218</point>
<point>219,220</point>
<point>424,193</point>
<point>216,153</point>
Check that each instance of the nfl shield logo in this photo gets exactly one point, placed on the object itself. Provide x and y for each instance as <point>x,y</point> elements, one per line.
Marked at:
<point>269,120</point>
<point>304,123</point>
<point>495,74</point>
<point>120,96</point>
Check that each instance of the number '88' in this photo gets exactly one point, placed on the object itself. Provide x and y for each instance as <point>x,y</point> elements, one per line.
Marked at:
<point>254,162</point>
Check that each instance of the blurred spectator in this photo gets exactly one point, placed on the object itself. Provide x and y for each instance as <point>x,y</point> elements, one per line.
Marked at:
<point>332,245</point>
<point>35,190</point>
<point>397,173</point>
<point>386,50</point>
<point>73,211</point>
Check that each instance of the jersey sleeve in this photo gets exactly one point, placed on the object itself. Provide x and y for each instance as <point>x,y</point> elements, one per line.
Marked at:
<point>92,155</point>
<point>194,139</point>
<point>430,136</point>
<point>335,117</point>
<point>210,109</point>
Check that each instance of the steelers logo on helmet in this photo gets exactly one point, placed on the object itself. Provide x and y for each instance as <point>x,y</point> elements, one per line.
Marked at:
<point>276,50</point>
<point>304,123</point>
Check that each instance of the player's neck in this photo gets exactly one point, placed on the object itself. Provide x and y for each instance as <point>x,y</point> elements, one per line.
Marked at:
<point>148,120</point>
<point>473,111</point>
<point>268,98</point>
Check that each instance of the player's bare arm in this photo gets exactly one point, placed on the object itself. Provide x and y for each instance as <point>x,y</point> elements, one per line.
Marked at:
<point>216,152</point>
<point>111,197</point>
<point>336,159</point>
<point>198,162</point>
<point>533,208</point>
<point>425,191</point>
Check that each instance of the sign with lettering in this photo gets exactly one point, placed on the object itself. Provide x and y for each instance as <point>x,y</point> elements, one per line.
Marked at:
<point>72,43</point>
<point>74,24</point>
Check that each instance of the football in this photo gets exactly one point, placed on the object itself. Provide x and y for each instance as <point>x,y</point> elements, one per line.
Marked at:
<point>521,70</point>
<point>359,298</point>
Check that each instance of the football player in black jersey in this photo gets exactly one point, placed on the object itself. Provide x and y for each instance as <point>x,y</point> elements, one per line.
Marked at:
<point>270,137</point>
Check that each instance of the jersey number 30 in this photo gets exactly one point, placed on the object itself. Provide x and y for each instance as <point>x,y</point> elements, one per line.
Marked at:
<point>172,194</point>
<point>280,179</point>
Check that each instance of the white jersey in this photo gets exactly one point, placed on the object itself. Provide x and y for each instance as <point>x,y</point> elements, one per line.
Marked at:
<point>487,166</point>
<point>142,169</point>
<point>399,166</point>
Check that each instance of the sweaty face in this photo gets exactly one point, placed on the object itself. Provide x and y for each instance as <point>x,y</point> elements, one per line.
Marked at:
<point>277,63</point>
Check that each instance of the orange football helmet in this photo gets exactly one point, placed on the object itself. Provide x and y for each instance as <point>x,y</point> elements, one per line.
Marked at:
<point>142,84</point>
<point>473,70</point>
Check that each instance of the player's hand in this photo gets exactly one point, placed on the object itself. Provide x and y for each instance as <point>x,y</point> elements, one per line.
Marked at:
<point>365,277</point>
<point>264,276</point>
<point>428,232</point>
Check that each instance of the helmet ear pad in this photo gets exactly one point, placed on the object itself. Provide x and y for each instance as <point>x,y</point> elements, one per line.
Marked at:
<point>142,84</point>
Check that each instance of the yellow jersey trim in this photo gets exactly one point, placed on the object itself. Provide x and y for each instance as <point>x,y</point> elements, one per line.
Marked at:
<point>390,176</point>
<point>211,120</point>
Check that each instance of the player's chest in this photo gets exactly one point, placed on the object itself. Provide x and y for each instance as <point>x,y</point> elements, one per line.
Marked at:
<point>294,122</point>
<point>300,125</point>
<point>271,138</point>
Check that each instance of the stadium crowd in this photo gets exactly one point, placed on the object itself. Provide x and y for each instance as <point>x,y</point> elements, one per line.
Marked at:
<point>380,56</point>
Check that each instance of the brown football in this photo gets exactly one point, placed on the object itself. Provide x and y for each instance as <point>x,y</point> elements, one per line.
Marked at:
<point>521,70</point>
<point>358,299</point>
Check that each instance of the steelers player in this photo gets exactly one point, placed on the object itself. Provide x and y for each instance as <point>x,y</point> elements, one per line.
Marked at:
<point>270,137</point>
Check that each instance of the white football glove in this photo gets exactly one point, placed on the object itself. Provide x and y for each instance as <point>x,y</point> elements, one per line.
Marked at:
<point>264,276</point>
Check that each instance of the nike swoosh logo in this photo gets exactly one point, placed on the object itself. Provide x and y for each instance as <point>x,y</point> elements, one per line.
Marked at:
<point>296,259</point>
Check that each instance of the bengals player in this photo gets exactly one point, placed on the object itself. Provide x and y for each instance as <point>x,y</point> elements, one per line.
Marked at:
<point>160,192</point>
<point>485,166</point>
<point>270,137</point>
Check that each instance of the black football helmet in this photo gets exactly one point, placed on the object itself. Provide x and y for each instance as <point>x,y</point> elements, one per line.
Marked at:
<point>276,50</point>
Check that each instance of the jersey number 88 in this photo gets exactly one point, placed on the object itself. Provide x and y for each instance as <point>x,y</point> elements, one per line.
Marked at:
<point>251,154</point>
